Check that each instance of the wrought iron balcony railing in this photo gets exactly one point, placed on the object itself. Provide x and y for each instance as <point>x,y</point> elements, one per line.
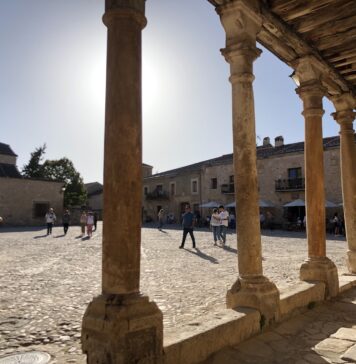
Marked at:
<point>157,195</point>
<point>228,188</point>
<point>290,184</point>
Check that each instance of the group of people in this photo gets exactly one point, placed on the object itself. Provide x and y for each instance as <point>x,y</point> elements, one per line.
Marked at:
<point>88,221</point>
<point>219,223</point>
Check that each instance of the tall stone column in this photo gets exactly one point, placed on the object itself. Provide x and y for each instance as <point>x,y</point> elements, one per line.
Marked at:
<point>317,267</point>
<point>241,22</point>
<point>122,326</point>
<point>344,115</point>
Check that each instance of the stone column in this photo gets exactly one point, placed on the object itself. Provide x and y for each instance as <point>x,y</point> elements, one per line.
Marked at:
<point>344,115</point>
<point>241,22</point>
<point>121,325</point>
<point>317,267</point>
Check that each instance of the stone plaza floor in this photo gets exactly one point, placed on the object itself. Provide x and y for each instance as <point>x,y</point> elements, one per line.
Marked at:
<point>46,282</point>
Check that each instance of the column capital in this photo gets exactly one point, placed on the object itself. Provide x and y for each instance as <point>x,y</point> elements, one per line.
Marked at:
<point>249,54</point>
<point>345,101</point>
<point>308,70</point>
<point>115,13</point>
<point>241,20</point>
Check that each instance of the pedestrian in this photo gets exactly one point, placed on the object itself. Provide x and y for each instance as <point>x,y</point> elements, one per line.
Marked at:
<point>160,219</point>
<point>66,221</point>
<point>188,226</point>
<point>215,225</point>
<point>224,222</point>
<point>262,220</point>
<point>50,220</point>
<point>83,222</point>
<point>90,224</point>
<point>336,223</point>
<point>95,220</point>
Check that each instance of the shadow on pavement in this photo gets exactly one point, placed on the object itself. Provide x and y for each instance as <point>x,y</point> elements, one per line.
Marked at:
<point>40,236</point>
<point>202,255</point>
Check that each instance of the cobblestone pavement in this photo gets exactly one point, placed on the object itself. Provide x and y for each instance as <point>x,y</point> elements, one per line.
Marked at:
<point>47,282</point>
<point>325,334</point>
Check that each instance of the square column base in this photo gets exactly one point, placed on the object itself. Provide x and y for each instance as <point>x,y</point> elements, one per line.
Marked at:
<point>255,292</point>
<point>322,270</point>
<point>351,261</point>
<point>122,329</point>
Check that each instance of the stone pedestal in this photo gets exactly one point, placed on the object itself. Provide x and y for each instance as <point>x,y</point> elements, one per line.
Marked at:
<point>344,115</point>
<point>317,267</point>
<point>122,330</point>
<point>257,292</point>
<point>242,22</point>
<point>324,270</point>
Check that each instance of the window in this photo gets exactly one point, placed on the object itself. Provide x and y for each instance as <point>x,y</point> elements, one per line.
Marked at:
<point>40,209</point>
<point>145,190</point>
<point>214,183</point>
<point>194,186</point>
<point>231,180</point>
<point>172,188</point>
<point>294,173</point>
<point>159,188</point>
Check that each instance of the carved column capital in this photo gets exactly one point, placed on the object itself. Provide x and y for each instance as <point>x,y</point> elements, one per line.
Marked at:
<point>241,20</point>
<point>312,94</point>
<point>121,9</point>
<point>308,70</point>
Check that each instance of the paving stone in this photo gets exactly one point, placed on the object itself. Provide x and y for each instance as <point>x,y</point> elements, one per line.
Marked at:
<point>350,355</point>
<point>332,345</point>
<point>345,334</point>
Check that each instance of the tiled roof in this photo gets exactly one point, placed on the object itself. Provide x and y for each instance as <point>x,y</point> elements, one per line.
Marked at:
<point>9,170</point>
<point>262,152</point>
<point>93,188</point>
<point>6,149</point>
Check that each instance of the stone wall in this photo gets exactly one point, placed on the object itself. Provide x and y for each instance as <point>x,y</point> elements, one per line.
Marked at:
<point>7,159</point>
<point>18,196</point>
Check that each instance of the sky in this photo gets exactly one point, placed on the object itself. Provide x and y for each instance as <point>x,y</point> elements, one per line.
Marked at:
<point>52,85</point>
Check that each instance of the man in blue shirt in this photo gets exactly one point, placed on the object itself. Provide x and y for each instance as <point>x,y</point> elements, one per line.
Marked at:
<point>188,225</point>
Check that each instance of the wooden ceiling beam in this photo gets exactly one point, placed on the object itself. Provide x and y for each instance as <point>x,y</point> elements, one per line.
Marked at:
<point>345,61</point>
<point>329,41</point>
<point>338,26</point>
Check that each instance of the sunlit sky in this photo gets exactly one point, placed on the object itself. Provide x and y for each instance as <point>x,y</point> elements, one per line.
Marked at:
<point>52,84</point>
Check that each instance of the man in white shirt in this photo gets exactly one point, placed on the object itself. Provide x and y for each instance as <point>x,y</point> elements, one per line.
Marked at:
<point>224,222</point>
<point>50,220</point>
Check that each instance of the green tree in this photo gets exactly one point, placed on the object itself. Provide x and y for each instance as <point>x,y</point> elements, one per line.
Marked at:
<point>34,168</point>
<point>63,170</point>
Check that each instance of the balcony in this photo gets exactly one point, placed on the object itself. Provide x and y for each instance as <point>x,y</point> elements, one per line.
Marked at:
<point>290,184</point>
<point>157,194</point>
<point>228,188</point>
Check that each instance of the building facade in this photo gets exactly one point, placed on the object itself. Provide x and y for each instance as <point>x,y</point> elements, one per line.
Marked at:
<point>281,179</point>
<point>25,201</point>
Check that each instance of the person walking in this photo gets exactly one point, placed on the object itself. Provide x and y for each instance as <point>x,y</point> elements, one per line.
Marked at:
<point>336,223</point>
<point>83,222</point>
<point>90,224</point>
<point>224,223</point>
<point>215,225</point>
<point>66,221</point>
<point>50,220</point>
<point>95,220</point>
<point>188,226</point>
<point>160,219</point>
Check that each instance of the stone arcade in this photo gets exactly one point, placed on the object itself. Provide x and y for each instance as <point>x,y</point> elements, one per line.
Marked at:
<point>121,325</point>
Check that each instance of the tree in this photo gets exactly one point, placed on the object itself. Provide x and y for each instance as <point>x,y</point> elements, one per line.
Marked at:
<point>61,170</point>
<point>34,169</point>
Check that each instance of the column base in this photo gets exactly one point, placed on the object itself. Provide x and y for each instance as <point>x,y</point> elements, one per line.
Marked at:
<point>323,270</point>
<point>122,329</point>
<point>255,292</point>
<point>351,261</point>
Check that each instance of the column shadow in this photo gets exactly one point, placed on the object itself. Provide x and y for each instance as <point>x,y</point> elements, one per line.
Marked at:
<point>202,255</point>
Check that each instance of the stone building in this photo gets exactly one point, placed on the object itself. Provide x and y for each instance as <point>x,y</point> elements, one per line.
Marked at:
<point>281,179</point>
<point>25,201</point>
